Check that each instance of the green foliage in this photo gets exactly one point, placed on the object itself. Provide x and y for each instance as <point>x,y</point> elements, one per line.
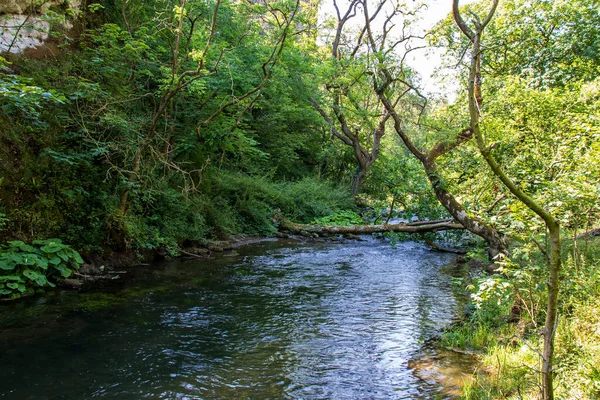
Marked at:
<point>311,198</point>
<point>164,218</point>
<point>27,267</point>
<point>340,218</point>
<point>399,178</point>
<point>72,126</point>
<point>20,97</point>
<point>507,312</point>
<point>552,43</point>
<point>254,201</point>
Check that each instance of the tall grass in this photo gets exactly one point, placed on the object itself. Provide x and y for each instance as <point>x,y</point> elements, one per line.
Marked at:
<point>505,329</point>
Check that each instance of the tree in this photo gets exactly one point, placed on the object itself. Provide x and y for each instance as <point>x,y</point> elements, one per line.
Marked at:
<point>390,84</point>
<point>206,58</point>
<point>475,101</point>
<point>354,114</point>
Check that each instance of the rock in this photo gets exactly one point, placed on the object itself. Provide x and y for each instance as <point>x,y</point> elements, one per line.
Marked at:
<point>70,283</point>
<point>200,251</point>
<point>22,29</point>
<point>220,244</point>
<point>23,6</point>
<point>492,268</point>
<point>215,247</point>
<point>282,235</point>
<point>87,269</point>
<point>352,236</point>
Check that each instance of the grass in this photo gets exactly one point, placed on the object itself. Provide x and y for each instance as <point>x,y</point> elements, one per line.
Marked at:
<point>511,347</point>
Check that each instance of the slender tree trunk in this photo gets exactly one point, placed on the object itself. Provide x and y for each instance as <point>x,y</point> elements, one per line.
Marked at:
<point>554,265</point>
<point>551,313</point>
<point>132,178</point>
<point>474,225</point>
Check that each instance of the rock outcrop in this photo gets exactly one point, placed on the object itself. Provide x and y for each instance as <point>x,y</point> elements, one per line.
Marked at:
<point>23,27</point>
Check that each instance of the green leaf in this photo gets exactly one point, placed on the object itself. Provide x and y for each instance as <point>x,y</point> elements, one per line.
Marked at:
<point>16,258</point>
<point>52,248</point>
<point>63,255</point>
<point>64,271</point>
<point>41,262</point>
<point>22,246</point>
<point>5,278</point>
<point>41,280</point>
<point>32,275</point>
<point>7,265</point>
<point>4,291</point>
<point>54,260</point>
<point>77,257</point>
<point>28,259</point>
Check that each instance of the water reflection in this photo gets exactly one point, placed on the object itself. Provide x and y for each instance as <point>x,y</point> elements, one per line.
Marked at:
<point>312,322</point>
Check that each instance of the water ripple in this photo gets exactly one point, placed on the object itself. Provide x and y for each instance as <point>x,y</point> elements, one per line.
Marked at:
<point>305,322</point>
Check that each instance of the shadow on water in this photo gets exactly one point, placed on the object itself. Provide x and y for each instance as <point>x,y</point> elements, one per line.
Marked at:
<point>278,320</point>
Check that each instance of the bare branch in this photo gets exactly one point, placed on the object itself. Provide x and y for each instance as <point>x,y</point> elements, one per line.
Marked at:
<point>460,22</point>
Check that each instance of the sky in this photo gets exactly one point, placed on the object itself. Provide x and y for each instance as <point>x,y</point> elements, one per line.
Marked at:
<point>423,60</point>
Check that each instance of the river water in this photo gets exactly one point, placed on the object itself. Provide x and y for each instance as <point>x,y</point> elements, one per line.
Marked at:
<point>274,320</point>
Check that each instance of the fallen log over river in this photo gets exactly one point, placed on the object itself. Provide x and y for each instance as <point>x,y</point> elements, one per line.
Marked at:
<point>412,227</point>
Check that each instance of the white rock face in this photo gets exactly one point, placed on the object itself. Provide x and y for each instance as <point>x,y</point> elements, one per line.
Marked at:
<point>12,6</point>
<point>23,6</point>
<point>20,32</point>
<point>22,28</point>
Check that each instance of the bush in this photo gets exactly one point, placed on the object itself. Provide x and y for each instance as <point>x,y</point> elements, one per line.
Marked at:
<point>163,218</point>
<point>25,268</point>
<point>247,204</point>
<point>512,342</point>
<point>310,198</point>
<point>340,218</point>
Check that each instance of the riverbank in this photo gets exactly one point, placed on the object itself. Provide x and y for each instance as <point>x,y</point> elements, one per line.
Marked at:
<point>102,268</point>
<point>504,321</point>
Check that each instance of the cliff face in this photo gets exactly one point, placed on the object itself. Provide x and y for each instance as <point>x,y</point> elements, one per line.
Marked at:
<point>24,27</point>
<point>25,6</point>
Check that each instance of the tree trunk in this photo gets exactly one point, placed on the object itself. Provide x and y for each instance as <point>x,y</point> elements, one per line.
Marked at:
<point>552,225</point>
<point>414,227</point>
<point>474,225</point>
<point>551,313</point>
<point>358,179</point>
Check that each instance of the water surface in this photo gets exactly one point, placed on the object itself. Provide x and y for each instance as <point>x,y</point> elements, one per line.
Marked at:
<point>276,321</point>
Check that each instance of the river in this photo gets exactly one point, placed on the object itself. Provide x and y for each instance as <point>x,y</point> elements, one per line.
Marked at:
<point>273,320</point>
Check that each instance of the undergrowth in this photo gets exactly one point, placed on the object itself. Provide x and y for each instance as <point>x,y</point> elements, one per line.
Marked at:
<point>504,322</point>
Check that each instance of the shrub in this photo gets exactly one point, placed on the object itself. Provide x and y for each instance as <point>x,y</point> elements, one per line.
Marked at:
<point>27,267</point>
<point>340,218</point>
<point>310,198</point>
